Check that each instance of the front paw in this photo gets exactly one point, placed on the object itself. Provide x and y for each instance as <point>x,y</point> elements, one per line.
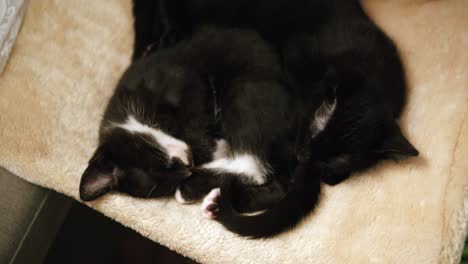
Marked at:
<point>196,186</point>
<point>210,206</point>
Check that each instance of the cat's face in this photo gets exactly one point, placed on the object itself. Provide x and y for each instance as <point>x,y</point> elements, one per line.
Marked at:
<point>352,131</point>
<point>136,163</point>
<point>139,153</point>
<point>358,135</point>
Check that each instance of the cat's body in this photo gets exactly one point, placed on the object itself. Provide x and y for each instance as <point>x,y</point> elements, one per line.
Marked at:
<point>162,121</point>
<point>314,38</point>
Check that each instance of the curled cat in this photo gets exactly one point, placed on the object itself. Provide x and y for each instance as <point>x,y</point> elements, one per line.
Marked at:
<point>359,129</point>
<point>159,127</point>
<point>314,38</point>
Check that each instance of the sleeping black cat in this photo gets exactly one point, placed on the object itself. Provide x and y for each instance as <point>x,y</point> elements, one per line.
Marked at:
<point>158,128</point>
<point>315,38</point>
<point>141,158</point>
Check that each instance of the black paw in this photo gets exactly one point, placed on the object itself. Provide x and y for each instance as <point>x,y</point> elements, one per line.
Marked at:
<point>196,186</point>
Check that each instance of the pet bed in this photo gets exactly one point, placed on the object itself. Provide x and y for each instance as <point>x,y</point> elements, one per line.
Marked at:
<point>70,54</point>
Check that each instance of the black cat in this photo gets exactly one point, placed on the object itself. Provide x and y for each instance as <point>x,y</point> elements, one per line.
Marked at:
<point>138,158</point>
<point>160,125</point>
<point>314,38</point>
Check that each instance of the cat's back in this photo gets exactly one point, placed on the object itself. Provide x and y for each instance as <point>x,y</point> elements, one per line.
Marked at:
<point>214,49</point>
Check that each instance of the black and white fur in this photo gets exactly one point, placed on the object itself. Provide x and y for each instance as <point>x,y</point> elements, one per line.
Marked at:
<point>359,131</point>
<point>314,38</point>
<point>159,127</point>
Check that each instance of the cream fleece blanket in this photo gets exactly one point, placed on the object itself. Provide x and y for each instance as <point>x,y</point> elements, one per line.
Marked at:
<point>70,54</point>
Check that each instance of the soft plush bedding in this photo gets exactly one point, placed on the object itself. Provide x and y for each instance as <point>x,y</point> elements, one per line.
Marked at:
<point>70,54</point>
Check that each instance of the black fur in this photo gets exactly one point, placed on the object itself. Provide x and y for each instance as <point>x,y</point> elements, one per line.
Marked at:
<point>171,89</point>
<point>301,197</point>
<point>159,95</point>
<point>315,37</point>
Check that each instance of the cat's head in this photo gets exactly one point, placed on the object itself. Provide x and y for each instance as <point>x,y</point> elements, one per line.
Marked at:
<point>352,131</point>
<point>135,163</point>
<point>340,153</point>
<point>136,155</point>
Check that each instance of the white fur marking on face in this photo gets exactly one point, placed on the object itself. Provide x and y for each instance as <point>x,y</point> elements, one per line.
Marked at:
<point>173,147</point>
<point>244,164</point>
<point>221,149</point>
<point>208,201</point>
<point>321,117</point>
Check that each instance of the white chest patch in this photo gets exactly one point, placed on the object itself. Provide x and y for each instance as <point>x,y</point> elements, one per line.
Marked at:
<point>173,147</point>
<point>244,164</point>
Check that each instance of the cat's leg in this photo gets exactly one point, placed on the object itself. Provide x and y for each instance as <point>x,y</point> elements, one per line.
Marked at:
<point>199,184</point>
<point>253,198</point>
<point>252,123</point>
<point>255,123</point>
<point>247,168</point>
<point>252,191</point>
<point>250,179</point>
<point>246,199</point>
<point>202,180</point>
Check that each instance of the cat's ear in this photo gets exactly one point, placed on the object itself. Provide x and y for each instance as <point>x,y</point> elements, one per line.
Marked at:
<point>99,178</point>
<point>396,146</point>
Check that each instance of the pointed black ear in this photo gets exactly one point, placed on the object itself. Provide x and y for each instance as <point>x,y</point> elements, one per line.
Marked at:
<point>98,179</point>
<point>396,146</point>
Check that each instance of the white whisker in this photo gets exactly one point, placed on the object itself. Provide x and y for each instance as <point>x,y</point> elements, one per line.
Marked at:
<point>151,191</point>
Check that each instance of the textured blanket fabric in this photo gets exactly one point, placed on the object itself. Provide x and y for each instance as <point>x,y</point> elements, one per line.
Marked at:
<point>70,54</point>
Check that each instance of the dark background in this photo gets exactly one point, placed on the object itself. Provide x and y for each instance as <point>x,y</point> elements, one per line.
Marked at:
<point>88,237</point>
